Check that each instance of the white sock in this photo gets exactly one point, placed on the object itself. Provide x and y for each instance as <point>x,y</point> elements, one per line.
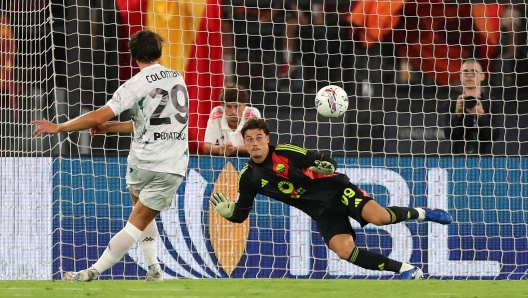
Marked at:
<point>421,213</point>
<point>148,243</point>
<point>406,267</point>
<point>118,246</point>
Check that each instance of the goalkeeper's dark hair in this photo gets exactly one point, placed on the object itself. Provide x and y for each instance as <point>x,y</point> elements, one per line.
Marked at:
<point>234,93</point>
<point>255,123</point>
<point>146,46</point>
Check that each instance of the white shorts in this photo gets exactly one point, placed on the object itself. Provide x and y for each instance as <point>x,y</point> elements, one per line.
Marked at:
<point>155,190</point>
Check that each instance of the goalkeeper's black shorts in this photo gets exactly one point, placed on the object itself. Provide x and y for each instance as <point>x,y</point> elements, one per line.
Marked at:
<point>333,223</point>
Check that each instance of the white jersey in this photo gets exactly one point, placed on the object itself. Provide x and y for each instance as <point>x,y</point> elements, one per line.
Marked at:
<point>157,101</point>
<point>218,131</point>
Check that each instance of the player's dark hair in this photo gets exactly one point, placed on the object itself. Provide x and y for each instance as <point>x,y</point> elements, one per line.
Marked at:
<point>146,46</point>
<point>234,93</point>
<point>255,123</point>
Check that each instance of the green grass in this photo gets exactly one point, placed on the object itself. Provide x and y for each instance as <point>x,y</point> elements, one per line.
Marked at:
<point>276,288</point>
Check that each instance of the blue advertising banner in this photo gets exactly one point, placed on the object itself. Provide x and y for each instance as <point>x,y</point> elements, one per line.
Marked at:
<point>486,197</point>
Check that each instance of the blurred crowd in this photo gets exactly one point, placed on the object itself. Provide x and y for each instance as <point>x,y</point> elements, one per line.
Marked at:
<point>511,64</point>
<point>288,47</point>
<point>300,47</point>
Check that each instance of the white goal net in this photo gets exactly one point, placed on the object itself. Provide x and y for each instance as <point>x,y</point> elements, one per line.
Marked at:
<point>403,140</point>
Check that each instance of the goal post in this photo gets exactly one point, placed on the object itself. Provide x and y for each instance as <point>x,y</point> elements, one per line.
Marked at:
<point>64,197</point>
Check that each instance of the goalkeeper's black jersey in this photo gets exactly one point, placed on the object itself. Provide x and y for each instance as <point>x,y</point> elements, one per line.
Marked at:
<point>284,176</point>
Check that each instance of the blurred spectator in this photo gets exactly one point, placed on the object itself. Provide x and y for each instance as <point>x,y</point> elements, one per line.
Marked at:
<point>7,63</point>
<point>512,63</point>
<point>290,71</point>
<point>228,45</point>
<point>222,135</point>
<point>510,24</point>
<point>472,121</point>
<point>326,45</point>
<point>519,45</point>
<point>256,46</point>
<point>8,104</point>
<point>282,46</point>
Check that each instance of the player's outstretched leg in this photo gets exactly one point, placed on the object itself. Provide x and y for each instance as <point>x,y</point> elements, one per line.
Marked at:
<point>85,275</point>
<point>399,214</point>
<point>376,261</point>
<point>343,245</point>
<point>373,213</point>
<point>435,215</point>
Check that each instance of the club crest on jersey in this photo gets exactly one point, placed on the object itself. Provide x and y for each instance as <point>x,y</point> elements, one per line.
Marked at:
<point>280,168</point>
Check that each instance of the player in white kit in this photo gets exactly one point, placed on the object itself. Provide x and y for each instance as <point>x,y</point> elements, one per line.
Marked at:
<point>222,135</point>
<point>157,101</point>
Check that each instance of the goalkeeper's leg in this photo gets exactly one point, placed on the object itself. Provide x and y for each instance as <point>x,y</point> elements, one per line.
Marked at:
<point>365,210</point>
<point>343,245</point>
<point>339,237</point>
<point>373,213</point>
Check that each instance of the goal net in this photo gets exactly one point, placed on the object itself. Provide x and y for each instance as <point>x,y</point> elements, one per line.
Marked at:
<point>402,140</point>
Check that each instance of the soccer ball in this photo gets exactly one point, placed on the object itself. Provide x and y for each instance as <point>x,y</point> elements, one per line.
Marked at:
<point>331,101</point>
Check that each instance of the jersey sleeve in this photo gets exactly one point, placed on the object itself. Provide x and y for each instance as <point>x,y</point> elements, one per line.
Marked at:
<point>212,131</point>
<point>246,198</point>
<point>251,112</point>
<point>123,99</point>
<point>302,157</point>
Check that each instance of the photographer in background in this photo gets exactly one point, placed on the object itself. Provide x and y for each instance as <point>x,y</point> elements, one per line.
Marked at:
<point>472,121</point>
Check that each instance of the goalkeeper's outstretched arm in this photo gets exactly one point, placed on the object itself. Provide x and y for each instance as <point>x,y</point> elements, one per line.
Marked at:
<point>229,210</point>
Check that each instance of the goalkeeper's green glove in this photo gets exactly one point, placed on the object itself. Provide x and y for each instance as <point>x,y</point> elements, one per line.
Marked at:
<point>221,205</point>
<point>323,167</point>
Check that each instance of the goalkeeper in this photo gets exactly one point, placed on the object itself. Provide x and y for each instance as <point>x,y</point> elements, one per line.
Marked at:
<point>308,181</point>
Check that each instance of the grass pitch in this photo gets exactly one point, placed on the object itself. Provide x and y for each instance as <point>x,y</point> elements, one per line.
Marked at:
<point>275,288</point>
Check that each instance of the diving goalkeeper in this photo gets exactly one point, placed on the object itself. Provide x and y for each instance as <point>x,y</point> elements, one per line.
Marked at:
<point>308,181</point>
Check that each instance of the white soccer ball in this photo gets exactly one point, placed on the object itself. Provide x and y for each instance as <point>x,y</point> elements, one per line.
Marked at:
<point>331,101</point>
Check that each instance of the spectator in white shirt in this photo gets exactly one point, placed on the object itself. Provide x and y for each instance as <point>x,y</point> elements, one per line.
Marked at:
<point>222,135</point>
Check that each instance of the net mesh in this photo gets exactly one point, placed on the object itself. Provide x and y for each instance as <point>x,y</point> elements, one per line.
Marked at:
<point>399,61</point>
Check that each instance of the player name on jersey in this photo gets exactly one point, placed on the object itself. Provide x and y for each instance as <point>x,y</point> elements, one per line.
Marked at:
<point>170,136</point>
<point>151,78</point>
